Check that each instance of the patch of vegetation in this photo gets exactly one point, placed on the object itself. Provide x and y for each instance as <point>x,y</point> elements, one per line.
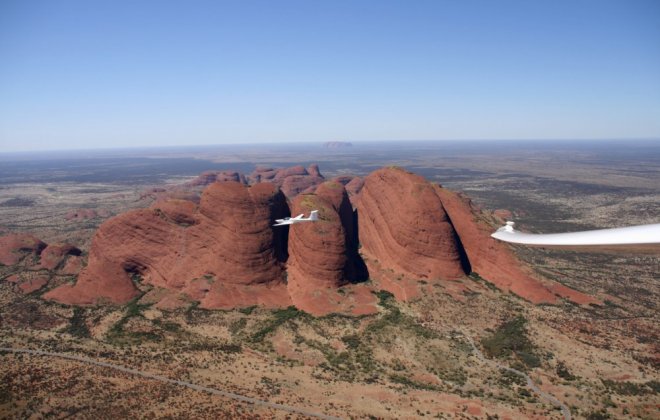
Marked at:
<point>136,277</point>
<point>563,372</point>
<point>511,337</point>
<point>348,365</point>
<point>169,326</point>
<point>18,202</point>
<point>457,376</point>
<point>272,386</point>
<point>208,345</point>
<point>351,341</point>
<point>117,334</point>
<point>280,316</point>
<point>404,380</point>
<point>509,378</point>
<point>394,317</point>
<point>598,415</point>
<point>77,326</point>
<point>632,388</point>
<point>248,310</point>
<point>237,326</point>
<point>474,276</point>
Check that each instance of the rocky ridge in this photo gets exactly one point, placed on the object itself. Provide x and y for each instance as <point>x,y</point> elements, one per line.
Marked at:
<point>392,227</point>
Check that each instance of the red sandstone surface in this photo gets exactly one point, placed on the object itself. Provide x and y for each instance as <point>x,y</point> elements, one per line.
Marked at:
<point>37,260</point>
<point>223,252</point>
<point>292,181</point>
<point>404,226</point>
<point>323,255</point>
<point>209,177</point>
<point>494,261</point>
<point>54,256</point>
<point>16,246</point>
<point>227,240</point>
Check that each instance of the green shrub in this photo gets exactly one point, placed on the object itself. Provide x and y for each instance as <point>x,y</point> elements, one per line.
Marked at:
<point>511,337</point>
<point>77,326</point>
<point>281,316</point>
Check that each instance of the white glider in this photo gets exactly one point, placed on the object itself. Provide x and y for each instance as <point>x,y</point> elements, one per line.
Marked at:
<point>313,217</point>
<point>634,237</point>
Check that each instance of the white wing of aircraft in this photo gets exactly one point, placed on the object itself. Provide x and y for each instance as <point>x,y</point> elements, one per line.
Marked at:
<point>313,217</point>
<point>642,237</point>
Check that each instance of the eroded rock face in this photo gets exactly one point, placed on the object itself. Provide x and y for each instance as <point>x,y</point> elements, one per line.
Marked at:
<point>221,249</point>
<point>16,246</point>
<point>55,256</point>
<point>194,249</point>
<point>493,260</point>
<point>209,177</point>
<point>36,262</point>
<point>323,255</point>
<point>403,225</point>
<point>292,181</point>
<point>353,185</point>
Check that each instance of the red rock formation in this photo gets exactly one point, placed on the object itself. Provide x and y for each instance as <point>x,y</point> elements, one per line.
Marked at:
<point>226,240</point>
<point>292,181</point>
<point>314,170</point>
<point>55,256</point>
<point>404,226</point>
<point>353,184</point>
<point>72,266</point>
<point>503,214</point>
<point>33,284</point>
<point>293,185</point>
<point>261,174</point>
<point>223,252</point>
<point>16,246</point>
<point>298,170</point>
<point>494,261</point>
<point>209,177</point>
<point>164,194</point>
<point>323,255</point>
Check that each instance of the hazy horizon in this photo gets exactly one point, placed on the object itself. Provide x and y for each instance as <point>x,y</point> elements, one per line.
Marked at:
<point>354,145</point>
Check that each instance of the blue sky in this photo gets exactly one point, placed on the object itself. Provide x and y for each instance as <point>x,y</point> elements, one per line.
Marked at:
<point>88,74</point>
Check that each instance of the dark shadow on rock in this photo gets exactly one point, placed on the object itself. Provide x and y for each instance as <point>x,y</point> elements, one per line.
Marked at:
<point>356,269</point>
<point>280,210</point>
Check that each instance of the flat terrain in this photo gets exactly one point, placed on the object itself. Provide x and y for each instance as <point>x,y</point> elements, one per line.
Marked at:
<point>412,359</point>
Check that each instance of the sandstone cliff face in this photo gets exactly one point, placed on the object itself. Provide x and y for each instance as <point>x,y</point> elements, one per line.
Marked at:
<point>353,185</point>
<point>323,255</point>
<point>317,252</point>
<point>404,226</point>
<point>226,241</point>
<point>493,260</point>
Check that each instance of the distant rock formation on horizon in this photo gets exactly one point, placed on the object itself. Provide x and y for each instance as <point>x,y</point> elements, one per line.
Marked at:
<point>337,144</point>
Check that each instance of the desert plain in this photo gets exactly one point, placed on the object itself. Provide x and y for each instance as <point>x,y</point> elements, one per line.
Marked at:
<point>459,349</point>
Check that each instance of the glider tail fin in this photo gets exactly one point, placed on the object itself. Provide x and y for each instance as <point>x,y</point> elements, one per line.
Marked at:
<point>314,215</point>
